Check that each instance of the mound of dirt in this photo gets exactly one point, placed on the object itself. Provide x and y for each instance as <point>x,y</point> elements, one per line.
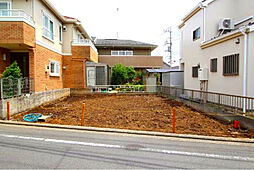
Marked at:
<point>134,112</point>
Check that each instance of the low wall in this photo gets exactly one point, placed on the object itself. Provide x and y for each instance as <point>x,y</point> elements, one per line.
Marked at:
<point>24,103</point>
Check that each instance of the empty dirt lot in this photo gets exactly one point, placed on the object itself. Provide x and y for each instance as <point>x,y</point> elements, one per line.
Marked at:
<point>135,112</point>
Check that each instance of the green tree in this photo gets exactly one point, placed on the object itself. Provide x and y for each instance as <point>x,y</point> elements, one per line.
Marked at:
<point>119,75</point>
<point>13,71</point>
<point>131,74</point>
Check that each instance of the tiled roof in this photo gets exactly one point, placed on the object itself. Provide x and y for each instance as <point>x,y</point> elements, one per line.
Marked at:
<point>122,43</point>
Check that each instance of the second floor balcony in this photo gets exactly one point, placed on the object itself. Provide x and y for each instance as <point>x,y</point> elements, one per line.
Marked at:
<point>16,15</point>
<point>84,42</point>
<point>84,49</point>
<point>137,61</point>
<point>16,29</point>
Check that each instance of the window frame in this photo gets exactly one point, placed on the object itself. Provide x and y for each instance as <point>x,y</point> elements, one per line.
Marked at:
<point>60,29</point>
<point>229,69</point>
<point>194,36</point>
<point>193,73</point>
<point>9,7</point>
<point>57,70</point>
<point>49,33</point>
<point>122,52</point>
<point>212,64</point>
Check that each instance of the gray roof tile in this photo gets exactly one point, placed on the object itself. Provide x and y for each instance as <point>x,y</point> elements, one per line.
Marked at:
<point>122,43</point>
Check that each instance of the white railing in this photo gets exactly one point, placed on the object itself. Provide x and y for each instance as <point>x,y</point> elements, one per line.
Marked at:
<point>16,13</point>
<point>85,42</point>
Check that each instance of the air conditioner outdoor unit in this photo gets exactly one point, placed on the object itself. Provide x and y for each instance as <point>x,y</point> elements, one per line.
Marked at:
<point>226,24</point>
<point>203,74</point>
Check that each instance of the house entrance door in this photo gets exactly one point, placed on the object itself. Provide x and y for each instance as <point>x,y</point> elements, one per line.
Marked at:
<point>91,76</point>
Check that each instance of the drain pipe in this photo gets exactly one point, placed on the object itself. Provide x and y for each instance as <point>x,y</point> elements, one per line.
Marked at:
<point>243,30</point>
<point>204,6</point>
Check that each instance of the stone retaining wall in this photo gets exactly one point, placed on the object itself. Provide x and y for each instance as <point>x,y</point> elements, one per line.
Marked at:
<point>28,102</point>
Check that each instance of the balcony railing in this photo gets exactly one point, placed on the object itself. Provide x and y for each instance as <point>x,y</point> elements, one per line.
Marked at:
<point>16,13</point>
<point>85,42</point>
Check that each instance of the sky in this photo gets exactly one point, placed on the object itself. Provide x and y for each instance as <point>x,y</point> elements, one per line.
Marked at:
<point>140,20</point>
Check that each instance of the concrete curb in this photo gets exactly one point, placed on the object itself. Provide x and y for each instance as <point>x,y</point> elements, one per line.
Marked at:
<point>132,132</point>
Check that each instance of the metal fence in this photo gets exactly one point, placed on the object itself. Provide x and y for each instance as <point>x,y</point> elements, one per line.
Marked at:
<point>13,87</point>
<point>231,101</point>
<point>124,89</point>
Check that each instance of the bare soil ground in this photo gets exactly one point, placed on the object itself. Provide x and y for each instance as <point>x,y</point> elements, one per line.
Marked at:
<point>135,112</point>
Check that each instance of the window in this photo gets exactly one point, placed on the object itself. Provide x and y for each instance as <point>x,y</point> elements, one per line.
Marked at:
<point>80,38</point>
<point>231,65</point>
<point>4,7</point>
<point>60,33</point>
<point>213,65</point>
<point>196,34</point>
<point>54,68</point>
<point>48,27</point>
<point>195,71</point>
<point>121,53</point>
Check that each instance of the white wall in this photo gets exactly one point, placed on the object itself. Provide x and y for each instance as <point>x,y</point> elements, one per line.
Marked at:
<point>40,8</point>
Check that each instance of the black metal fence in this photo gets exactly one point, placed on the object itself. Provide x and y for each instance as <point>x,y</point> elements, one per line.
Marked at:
<point>13,87</point>
<point>245,104</point>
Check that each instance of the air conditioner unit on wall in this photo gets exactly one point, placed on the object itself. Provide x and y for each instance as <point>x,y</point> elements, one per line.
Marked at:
<point>226,24</point>
<point>203,74</point>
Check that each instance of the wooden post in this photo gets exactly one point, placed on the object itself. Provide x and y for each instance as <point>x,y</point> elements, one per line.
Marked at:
<point>174,119</point>
<point>83,114</point>
<point>8,111</point>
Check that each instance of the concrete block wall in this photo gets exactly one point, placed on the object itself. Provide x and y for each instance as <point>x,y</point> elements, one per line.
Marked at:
<point>24,103</point>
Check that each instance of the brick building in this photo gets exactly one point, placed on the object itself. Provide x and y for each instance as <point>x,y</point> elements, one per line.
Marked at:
<point>50,48</point>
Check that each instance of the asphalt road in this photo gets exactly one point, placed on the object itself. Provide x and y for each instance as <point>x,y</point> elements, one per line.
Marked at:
<point>30,147</point>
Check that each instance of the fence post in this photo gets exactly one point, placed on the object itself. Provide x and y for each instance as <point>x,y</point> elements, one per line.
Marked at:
<point>174,119</point>
<point>83,114</point>
<point>8,111</point>
<point>19,87</point>
<point>219,99</point>
<point>2,91</point>
<point>192,94</point>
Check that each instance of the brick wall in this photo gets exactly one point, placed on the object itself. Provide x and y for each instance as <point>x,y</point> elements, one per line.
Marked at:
<point>74,72</point>
<point>6,63</point>
<point>17,32</point>
<point>135,61</point>
<point>81,52</point>
<point>39,58</point>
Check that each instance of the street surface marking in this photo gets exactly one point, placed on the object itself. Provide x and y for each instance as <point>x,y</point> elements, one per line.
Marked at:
<point>170,152</point>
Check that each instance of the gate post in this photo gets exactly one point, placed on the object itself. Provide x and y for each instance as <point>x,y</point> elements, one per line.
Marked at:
<point>2,91</point>
<point>19,87</point>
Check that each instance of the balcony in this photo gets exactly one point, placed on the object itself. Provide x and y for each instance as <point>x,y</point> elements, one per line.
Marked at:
<point>84,49</point>
<point>85,42</point>
<point>137,61</point>
<point>16,15</point>
<point>16,29</point>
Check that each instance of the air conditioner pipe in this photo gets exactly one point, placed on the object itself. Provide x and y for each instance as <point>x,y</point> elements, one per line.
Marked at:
<point>243,30</point>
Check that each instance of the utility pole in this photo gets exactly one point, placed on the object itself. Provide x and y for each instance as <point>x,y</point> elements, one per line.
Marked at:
<point>169,44</point>
<point>117,16</point>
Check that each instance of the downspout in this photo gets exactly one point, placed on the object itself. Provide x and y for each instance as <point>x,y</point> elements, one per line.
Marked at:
<point>243,30</point>
<point>204,7</point>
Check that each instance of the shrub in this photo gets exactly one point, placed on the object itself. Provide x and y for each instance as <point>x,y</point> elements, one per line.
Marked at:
<point>13,71</point>
<point>119,75</point>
